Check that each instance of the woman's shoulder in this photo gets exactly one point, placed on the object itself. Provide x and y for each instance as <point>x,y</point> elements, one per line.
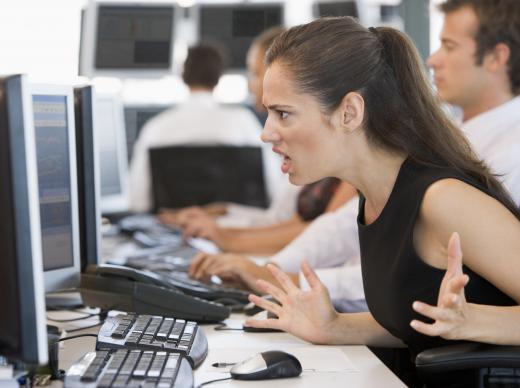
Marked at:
<point>449,202</point>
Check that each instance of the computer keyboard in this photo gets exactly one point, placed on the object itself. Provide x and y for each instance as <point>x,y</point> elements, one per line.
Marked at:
<point>149,332</point>
<point>228,296</point>
<point>172,259</point>
<point>130,368</point>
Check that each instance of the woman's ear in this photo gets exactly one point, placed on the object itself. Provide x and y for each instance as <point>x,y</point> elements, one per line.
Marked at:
<point>350,112</point>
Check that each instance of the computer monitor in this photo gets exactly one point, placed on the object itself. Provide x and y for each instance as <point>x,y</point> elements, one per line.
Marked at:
<point>135,118</point>
<point>235,26</point>
<point>23,335</point>
<point>131,38</point>
<point>336,8</point>
<point>198,175</point>
<point>53,116</point>
<point>113,162</point>
<point>87,162</point>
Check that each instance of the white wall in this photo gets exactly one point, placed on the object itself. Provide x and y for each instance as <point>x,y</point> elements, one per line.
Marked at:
<point>41,38</point>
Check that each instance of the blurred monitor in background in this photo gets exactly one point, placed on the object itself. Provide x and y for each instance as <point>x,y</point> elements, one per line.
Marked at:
<point>129,39</point>
<point>234,26</point>
<point>88,177</point>
<point>136,116</point>
<point>110,131</point>
<point>336,8</point>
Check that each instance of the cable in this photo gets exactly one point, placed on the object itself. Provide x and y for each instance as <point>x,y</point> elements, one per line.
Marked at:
<point>212,381</point>
<point>76,336</point>
<point>85,327</point>
<point>224,327</point>
<point>88,315</point>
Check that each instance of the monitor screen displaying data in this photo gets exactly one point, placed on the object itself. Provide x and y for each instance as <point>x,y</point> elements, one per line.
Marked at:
<point>52,152</point>
<point>134,37</point>
<point>337,8</point>
<point>235,26</point>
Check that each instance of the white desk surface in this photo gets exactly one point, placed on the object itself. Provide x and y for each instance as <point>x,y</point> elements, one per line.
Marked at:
<point>370,372</point>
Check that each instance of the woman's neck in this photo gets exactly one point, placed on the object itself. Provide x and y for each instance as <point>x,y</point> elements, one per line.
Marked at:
<point>375,178</point>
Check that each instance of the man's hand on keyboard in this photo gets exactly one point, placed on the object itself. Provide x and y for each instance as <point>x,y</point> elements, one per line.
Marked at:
<point>229,267</point>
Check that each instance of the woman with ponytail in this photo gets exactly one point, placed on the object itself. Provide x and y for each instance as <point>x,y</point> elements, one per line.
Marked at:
<point>355,103</point>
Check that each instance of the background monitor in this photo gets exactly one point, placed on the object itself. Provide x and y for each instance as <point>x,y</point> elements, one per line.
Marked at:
<point>53,116</point>
<point>135,118</point>
<point>113,162</point>
<point>88,177</point>
<point>336,8</point>
<point>23,334</point>
<point>131,38</point>
<point>234,26</point>
<point>198,175</point>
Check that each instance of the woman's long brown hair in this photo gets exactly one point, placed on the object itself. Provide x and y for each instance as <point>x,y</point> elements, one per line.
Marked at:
<point>331,57</point>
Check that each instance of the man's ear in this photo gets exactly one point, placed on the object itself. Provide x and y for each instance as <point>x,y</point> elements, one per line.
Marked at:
<point>497,58</point>
<point>350,112</point>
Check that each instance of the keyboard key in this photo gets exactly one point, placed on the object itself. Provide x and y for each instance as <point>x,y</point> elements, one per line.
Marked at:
<point>170,346</point>
<point>130,362</point>
<point>106,380</point>
<point>120,381</point>
<point>116,361</point>
<point>143,365</point>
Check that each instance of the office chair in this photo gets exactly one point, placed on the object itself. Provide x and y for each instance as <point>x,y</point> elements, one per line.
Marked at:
<point>474,364</point>
<point>197,175</point>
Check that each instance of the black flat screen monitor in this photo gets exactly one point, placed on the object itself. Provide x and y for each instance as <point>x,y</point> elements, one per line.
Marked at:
<point>234,26</point>
<point>53,115</point>
<point>336,8</point>
<point>135,119</point>
<point>88,177</point>
<point>134,37</point>
<point>127,39</point>
<point>198,175</point>
<point>23,335</point>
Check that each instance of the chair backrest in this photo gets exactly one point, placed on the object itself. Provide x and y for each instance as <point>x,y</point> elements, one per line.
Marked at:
<point>470,365</point>
<point>197,175</point>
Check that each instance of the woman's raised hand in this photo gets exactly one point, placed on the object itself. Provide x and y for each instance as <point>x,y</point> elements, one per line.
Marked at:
<point>305,314</point>
<point>451,314</point>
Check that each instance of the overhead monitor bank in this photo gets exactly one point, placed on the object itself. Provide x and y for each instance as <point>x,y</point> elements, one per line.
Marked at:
<point>336,8</point>
<point>235,25</point>
<point>133,39</point>
<point>130,39</point>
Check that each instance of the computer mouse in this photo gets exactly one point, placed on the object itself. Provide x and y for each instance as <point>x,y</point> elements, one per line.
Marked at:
<point>263,314</point>
<point>273,364</point>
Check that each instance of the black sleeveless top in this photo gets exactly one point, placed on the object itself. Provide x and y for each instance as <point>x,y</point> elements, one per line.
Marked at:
<point>394,276</point>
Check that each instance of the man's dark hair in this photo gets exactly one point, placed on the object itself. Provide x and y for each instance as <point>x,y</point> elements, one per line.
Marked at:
<point>499,22</point>
<point>203,66</point>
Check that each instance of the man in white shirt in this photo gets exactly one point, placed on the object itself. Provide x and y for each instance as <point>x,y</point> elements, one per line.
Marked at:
<point>481,78</point>
<point>200,120</point>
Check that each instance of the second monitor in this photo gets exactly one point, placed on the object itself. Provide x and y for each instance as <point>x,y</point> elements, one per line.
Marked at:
<point>53,111</point>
